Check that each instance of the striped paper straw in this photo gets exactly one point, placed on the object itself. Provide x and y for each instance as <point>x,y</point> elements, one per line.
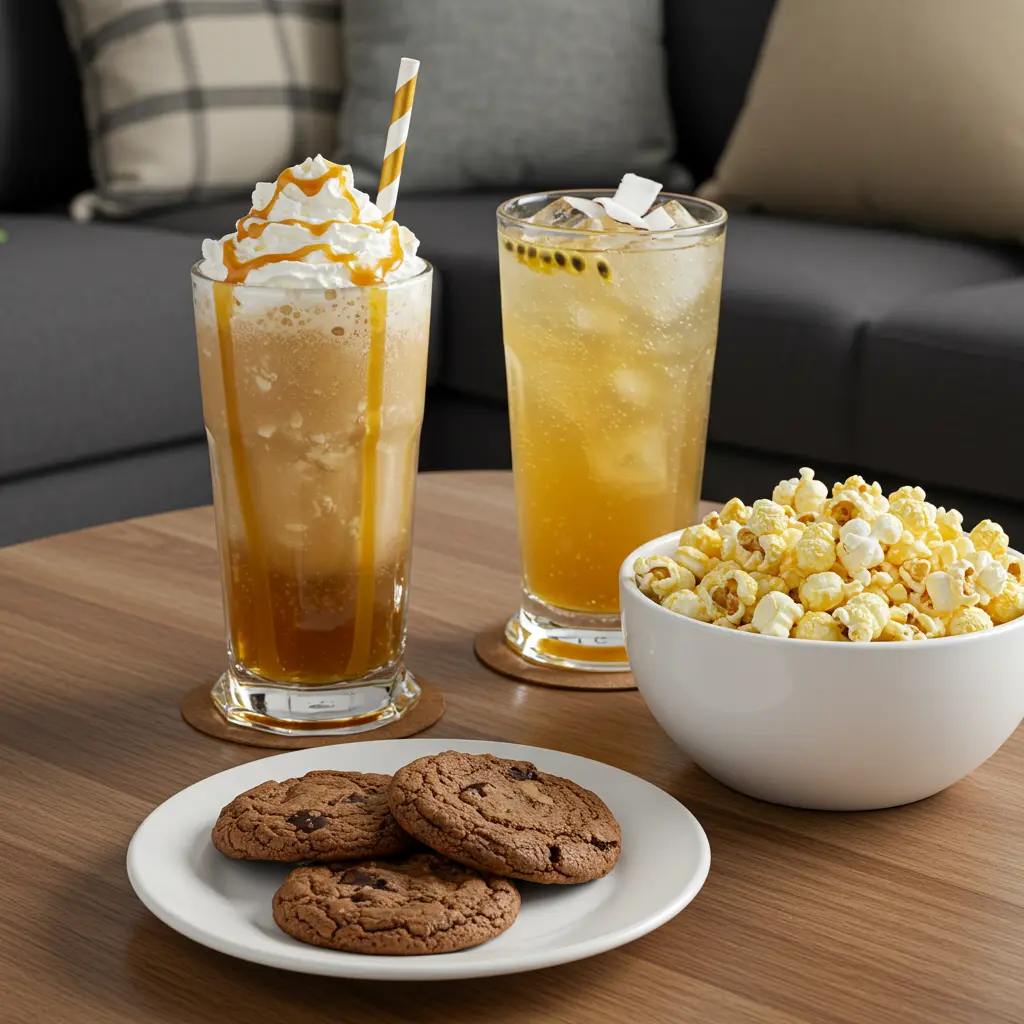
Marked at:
<point>394,152</point>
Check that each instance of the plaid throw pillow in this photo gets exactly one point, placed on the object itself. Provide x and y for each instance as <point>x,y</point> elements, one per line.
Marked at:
<point>195,100</point>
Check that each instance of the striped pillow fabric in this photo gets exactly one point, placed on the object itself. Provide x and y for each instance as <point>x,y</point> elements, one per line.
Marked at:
<point>196,100</point>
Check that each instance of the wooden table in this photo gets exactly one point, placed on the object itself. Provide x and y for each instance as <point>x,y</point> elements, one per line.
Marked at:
<point>912,915</point>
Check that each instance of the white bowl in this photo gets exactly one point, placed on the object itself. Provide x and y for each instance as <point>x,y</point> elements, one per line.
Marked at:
<point>830,726</point>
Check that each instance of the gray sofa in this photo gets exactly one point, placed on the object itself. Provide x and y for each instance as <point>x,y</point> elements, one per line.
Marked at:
<point>910,348</point>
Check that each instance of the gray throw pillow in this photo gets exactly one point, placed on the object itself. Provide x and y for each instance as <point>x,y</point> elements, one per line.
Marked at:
<point>516,93</point>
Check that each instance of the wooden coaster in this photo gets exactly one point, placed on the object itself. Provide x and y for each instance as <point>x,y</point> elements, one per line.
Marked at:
<point>493,650</point>
<point>199,711</point>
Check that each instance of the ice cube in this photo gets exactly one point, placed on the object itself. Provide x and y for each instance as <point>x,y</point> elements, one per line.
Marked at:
<point>636,194</point>
<point>680,215</point>
<point>565,214</point>
<point>636,460</point>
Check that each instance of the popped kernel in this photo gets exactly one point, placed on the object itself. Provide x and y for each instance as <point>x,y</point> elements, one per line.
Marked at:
<point>693,559</point>
<point>823,591</point>
<point>817,626</point>
<point>968,620</point>
<point>767,517</point>
<point>851,565</point>
<point>816,548</point>
<point>703,538</point>
<point>660,575</point>
<point>1008,604</point>
<point>741,545</point>
<point>950,522</point>
<point>685,602</point>
<point>734,511</point>
<point>952,588</point>
<point>776,614</point>
<point>989,536</point>
<point>864,617</point>
<point>730,596</point>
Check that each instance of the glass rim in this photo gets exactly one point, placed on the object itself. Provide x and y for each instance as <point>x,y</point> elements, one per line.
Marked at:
<point>721,216</point>
<point>428,268</point>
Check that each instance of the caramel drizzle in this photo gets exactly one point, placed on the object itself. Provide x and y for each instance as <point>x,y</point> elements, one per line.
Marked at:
<point>254,223</point>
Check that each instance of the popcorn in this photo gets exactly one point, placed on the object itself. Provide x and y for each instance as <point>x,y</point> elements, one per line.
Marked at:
<point>776,614</point>
<point>952,589</point>
<point>989,536</point>
<point>660,576</point>
<point>741,545</point>
<point>1008,604</point>
<point>728,596</point>
<point>968,620</point>
<point>854,565</point>
<point>817,626</point>
<point>816,548</point>
<point>824,591</point>
<point>989,575</point>
<point>768,517</point>
<point>703,538</point>
<point>693,559</point>
<point>685,602</point>
<point>804,494</point>
<point>864,616</point>
<point>734,511</point>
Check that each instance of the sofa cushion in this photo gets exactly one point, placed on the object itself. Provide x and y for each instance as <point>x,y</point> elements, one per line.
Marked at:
<point>939,389</point>
<point>712,49</point>
<point>795,298</point>
<point>100,341</point>
<point>44,157</point>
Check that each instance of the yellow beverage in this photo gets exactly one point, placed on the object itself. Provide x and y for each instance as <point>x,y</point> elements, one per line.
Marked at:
<point>609,351</point>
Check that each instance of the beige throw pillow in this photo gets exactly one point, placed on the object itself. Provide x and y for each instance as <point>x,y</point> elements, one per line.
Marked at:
<point>886,111</point>
<point>194,101</point>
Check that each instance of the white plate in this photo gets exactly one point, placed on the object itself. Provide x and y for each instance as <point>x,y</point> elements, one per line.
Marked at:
<point>225,904</point>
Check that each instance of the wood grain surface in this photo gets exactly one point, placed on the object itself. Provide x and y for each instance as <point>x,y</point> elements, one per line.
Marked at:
<point>890,917</point>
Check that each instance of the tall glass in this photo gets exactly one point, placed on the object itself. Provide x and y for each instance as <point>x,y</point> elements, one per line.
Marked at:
<point>313,402</point>
<point>609,349</point>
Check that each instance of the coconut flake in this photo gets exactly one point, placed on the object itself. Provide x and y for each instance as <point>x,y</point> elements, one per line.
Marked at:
<point>636,194</point>
<point>621,213</point>
<point>585,206</point>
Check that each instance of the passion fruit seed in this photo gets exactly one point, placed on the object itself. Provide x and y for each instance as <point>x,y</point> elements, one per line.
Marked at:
<point>578,264</point>
<point>545,257</point>
<point>532,252</point>
<point>560,258</point>
<point>603,269</point>
<point>521,249</point>
<point>509,246</point>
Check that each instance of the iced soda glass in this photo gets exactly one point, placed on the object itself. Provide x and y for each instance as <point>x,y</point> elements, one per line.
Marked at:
<point>609,348</point>
<point>313,402</point>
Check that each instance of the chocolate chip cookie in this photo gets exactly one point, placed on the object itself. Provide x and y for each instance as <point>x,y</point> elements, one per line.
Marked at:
<point>420,904</point>
<point>324,816</point>
<point>506,817</point>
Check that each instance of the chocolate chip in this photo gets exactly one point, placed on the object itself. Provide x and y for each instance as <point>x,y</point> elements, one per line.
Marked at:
<point>554,854</point>
<point>307,821</point>
<point>522,774</point>
<point>476,787</point>
<point>603,844</point>
<point>355,798</point>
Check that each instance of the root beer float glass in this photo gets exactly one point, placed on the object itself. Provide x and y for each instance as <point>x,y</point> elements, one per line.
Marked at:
<point>610,318</point>
<point>312,322</point>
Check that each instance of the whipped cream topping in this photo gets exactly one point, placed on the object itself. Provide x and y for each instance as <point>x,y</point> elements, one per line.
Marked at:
<point>312,228</point>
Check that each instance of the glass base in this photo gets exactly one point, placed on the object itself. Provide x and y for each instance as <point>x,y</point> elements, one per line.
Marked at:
<point>339,709</point>
<point>569,640</point>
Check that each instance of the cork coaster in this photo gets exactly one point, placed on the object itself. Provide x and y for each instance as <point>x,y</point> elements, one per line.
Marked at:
<point>493,650</point>
<point>199,711</point>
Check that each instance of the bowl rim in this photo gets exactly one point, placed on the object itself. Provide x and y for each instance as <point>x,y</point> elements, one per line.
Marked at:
<point>627,582</point>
